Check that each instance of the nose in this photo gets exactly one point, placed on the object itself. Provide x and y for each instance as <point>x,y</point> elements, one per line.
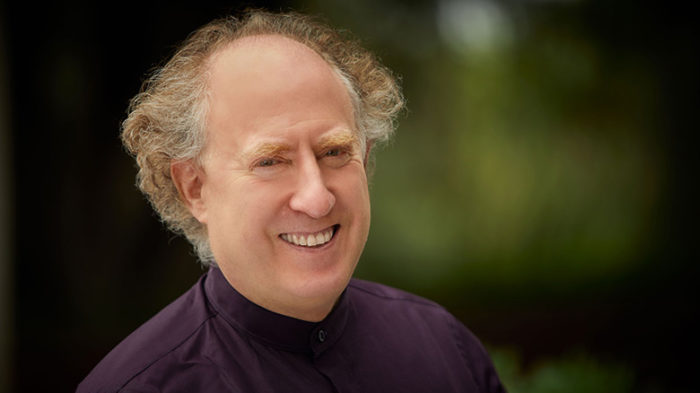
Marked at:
<point>311,196</point>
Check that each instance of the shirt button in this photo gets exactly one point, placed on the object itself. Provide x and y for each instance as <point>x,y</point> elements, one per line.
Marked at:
<point>322,335</point>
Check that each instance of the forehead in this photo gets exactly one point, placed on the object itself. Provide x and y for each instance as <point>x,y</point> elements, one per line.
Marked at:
<point>269,82</point>
<point>266,66</point>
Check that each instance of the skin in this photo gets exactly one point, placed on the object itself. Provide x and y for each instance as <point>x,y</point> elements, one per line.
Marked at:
<point>282,159</point>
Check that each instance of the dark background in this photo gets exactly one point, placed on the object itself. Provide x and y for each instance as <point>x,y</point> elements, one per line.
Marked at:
<point>541,186</point>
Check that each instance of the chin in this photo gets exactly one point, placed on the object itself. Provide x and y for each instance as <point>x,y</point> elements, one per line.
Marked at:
<point>321,288</point>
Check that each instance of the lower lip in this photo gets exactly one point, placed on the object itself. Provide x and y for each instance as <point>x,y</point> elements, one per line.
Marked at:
<point>316,248</point>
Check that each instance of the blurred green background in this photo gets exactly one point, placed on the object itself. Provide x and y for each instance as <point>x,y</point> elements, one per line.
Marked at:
<point>541,184</point>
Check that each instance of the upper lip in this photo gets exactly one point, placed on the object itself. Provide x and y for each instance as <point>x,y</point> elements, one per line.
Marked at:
<point>306,233</point>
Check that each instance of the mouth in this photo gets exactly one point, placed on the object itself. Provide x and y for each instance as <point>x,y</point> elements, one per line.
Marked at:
<point>311,240</point>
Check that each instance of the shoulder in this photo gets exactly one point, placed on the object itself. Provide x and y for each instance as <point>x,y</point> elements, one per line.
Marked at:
<point>383,296</point>
<point>424,323</point>
<point>164,333</point>
<point>377,302</point>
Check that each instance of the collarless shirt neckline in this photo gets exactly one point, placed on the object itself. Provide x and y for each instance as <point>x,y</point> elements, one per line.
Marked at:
<point>273,329</point>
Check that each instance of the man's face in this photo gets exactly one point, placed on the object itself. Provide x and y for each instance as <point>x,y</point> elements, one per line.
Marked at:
<point>283,185</point>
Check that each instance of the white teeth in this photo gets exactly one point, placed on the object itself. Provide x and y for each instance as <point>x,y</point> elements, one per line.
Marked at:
<point>311,240</point>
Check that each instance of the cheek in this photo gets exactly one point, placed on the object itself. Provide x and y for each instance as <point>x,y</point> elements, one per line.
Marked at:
<point>256,208</point>
<point>253,217</point>
<point>353,184</point>
<point>226,206</point>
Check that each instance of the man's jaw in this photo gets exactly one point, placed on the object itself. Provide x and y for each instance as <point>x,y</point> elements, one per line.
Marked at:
<point>310,239</point>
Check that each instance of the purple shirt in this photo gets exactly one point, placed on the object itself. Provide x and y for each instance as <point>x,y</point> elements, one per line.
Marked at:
<point>376,339</point>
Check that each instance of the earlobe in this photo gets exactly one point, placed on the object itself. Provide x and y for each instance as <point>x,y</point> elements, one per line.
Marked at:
<point>188,180</point>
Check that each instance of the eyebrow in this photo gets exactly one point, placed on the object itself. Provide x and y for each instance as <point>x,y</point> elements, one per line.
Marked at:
<point>266,149</point>
<point>345,138</point>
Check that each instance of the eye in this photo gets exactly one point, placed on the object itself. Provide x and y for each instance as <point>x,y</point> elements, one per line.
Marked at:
<point>267,162</point>
<point>336,157</point>
<point>333,152</point>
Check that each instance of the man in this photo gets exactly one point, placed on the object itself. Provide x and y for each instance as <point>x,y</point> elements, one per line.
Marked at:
<point>253,141</point>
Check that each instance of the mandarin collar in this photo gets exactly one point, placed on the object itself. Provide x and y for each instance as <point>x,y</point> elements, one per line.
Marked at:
<point>271,328</point>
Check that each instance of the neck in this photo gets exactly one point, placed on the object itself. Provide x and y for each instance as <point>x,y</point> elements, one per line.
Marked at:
<point>310,309</point>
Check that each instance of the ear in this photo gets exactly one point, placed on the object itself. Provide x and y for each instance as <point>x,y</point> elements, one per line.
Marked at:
<point>188,179</point>
<point>368,150</point>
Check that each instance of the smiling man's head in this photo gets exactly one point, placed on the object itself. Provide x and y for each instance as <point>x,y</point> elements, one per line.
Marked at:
<point>253,140</point>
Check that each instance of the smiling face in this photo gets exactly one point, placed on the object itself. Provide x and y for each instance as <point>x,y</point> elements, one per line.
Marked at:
<point>282,187</point>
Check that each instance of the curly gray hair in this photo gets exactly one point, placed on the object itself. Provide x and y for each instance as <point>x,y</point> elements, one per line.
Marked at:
<point>167,118</point>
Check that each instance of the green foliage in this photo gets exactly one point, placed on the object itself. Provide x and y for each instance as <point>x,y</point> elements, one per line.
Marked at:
<point>571,374</point>
<point>527,153</point>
